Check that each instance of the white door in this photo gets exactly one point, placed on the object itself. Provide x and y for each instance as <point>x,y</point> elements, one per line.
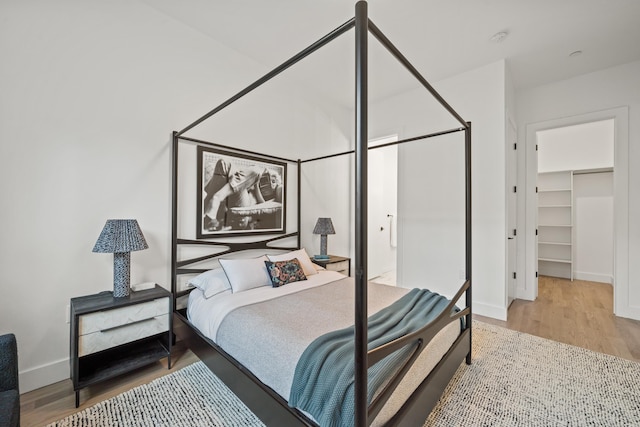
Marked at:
<point>383,201</point>
<point>512,206</point>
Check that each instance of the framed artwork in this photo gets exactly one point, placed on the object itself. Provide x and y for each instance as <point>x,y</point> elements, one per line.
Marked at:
<point>239,194</point>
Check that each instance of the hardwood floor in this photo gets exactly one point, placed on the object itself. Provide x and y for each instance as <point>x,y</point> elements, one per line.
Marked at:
<point>577,313</point>
<point>51,403</point>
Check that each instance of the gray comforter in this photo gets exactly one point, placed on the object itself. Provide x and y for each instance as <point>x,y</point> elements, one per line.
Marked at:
<point>269,337</point>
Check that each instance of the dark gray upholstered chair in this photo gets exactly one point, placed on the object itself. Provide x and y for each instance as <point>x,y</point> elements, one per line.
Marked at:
<point>9,393</point>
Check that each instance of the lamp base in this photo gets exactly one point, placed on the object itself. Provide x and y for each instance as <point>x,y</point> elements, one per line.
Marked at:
<point>323,245</point>
<point>121,274</point>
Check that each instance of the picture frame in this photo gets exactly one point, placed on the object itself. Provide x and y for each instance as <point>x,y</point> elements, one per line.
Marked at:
<point>239,194</point>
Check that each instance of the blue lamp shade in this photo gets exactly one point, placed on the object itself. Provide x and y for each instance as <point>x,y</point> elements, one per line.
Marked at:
<point>120,237</point>
<point>323,227</point>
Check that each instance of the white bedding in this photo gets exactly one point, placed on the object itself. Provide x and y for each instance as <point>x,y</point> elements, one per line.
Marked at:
<point>208,314</point>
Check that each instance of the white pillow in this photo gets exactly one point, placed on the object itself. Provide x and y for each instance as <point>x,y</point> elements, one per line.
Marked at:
<point>211,282</point>
<point>307,265</point>
<point>245,274</point>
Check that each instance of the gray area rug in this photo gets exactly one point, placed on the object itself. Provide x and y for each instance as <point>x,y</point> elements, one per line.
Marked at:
<point>192,396</point>
<point>515,380</point>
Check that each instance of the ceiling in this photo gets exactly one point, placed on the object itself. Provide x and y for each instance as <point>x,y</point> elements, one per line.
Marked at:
<point>440,38</point>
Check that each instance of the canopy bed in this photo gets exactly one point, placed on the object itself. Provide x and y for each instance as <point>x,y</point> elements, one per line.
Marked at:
<point>398,348</point>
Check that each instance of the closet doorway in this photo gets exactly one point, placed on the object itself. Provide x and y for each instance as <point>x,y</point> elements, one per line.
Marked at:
<point>622,305</point>
<point>576,201</point>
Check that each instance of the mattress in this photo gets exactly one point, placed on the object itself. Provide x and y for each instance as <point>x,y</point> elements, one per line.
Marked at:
<point>267,329</point>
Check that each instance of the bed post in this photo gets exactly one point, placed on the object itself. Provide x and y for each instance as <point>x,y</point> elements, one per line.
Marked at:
<point>299,203</point>
<point>467,161</point>
<point>361,101</point>
<point>174,215</point>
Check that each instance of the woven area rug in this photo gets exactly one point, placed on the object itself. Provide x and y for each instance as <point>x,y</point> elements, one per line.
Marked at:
<point>515,380</point>
<point>192,396</point>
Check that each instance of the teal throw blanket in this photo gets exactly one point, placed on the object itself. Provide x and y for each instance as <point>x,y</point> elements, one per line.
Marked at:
<point>323,383</point>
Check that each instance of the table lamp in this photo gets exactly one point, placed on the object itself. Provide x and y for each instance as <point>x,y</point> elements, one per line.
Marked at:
<point>120,237</point>
<point>323,227</point>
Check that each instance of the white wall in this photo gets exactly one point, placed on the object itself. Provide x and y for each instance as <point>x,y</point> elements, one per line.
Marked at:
<point>586,95</point>
<point>91,92</point>
<point>593,205</point>
<point>577,147</point>
<point>327,192</point>
<point>431,186</point>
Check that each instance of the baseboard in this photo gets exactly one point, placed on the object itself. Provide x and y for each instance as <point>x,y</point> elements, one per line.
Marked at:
<point>43,375</point>
<point>525,294</point>
<point>593,277</point>
<point>628,312</point>
<point>492,311</point>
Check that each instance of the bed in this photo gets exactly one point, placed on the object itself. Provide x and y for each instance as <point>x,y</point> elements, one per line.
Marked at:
<point>211,322</point>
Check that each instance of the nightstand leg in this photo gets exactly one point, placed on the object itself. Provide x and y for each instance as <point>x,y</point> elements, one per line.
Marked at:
<point>77,398</point>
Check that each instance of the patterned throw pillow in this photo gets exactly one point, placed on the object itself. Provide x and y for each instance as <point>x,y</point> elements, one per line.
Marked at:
<point>283,272</point>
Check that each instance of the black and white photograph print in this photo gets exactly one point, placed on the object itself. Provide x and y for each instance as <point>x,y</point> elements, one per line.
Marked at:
<point>239,194</point>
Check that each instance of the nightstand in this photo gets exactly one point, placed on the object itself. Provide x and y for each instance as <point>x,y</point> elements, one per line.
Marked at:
<point>111,336</point>
<point>340,264</point>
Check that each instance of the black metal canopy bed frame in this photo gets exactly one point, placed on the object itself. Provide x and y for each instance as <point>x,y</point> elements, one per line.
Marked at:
<point>268,405</point>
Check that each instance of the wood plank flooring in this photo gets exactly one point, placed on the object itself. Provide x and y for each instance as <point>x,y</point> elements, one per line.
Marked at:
<point>577,313</point>
<point>51,403</point>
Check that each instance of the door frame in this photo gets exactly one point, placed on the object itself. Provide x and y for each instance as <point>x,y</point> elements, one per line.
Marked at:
<point>511,248</point>
<point>620,116</point>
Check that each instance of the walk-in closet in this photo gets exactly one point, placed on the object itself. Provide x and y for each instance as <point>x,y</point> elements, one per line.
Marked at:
<point>576,202</point>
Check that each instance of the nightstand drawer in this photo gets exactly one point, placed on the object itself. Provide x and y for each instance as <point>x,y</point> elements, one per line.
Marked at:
<point>338,266</point>
<point>107,319</point>
<point>110,337</point>
<point>114,335</point>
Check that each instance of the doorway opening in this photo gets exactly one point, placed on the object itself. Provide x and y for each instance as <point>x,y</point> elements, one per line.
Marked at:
<point>620,277</point>
<point>576,201</point>
<point>383,206</point>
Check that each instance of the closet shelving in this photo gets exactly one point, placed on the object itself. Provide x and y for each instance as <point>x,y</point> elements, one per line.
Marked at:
<point>555,224</point>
